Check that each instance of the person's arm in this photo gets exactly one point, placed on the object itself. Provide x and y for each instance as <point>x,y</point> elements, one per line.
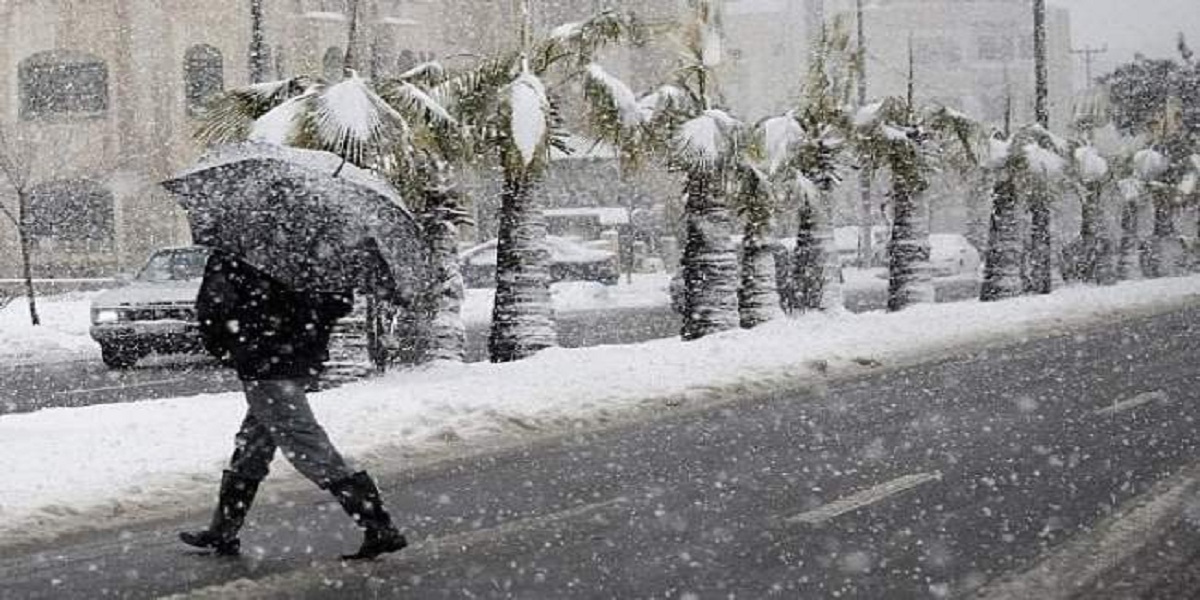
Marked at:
<point>217,297</point>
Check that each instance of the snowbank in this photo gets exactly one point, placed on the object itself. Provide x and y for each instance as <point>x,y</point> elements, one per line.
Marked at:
<point>78,467</point>
<point>62,336</point>
<point>648,290</point>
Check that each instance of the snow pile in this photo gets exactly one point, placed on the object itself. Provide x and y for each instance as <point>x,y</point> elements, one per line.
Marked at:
<point>63,334</point>
<point>67,467</point>
<point>648,290</point>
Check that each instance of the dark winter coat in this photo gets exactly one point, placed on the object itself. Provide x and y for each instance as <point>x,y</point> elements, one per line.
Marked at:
<point>267,331</point>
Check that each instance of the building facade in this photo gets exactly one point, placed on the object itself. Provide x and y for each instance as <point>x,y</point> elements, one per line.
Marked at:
<point>973,55</point>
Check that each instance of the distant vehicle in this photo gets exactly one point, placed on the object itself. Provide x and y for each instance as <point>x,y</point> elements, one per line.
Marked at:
<point>951,254</point>
<point>156,312</point>
<point>570,261</point>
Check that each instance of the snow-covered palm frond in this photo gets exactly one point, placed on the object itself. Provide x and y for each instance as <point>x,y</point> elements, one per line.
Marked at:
<point>581,41</point>
<point>281,125</point>
<point>665,99</point>
<point>416,104</point>
<point>614,97</point>
<point>754,196</point>
<point>529,124</point>
<point>1089,165</point>
<point>473,94</point>
<point>708,141</point>
<point>779,137</point>
<point>1043,162</point>
<point>1150,165</point>
<point>427,74</point>
<point>230,117</point>
<point>352,121</point>
<point>950,122</point>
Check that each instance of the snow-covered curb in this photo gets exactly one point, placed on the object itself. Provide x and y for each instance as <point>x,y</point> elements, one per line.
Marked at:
<point>69,468</point>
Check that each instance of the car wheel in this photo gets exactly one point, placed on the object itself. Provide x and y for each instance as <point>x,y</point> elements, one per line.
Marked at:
<point>119,357</point>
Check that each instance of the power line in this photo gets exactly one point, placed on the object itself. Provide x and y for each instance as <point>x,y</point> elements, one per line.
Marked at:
<point>1089,53</point>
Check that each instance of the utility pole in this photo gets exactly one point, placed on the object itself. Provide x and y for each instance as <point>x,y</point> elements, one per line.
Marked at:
<point>866,241</point>
<point>1089,53</point>
<point>1041,240</point>
<point>351,59</point>
<point>1041,107</point>
<point>258,43</point>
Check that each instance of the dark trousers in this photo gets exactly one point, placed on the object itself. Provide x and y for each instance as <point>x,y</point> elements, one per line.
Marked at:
<point>279,416</point>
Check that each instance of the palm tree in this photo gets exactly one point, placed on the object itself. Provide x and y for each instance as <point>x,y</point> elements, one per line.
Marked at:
<point>910,144</point>
<point>705,144</point>
<point>511,119</point>
<point>1023,164</point>
<point>814,168</point>
<point>1091,175</point>
<point>392,127</point>
<point>1154,170</point>
<point>754,200</point>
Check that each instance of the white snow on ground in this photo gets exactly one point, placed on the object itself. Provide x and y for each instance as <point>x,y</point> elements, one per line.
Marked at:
<point>75,467</point>
<point>647,290</point>
<point>62,336</point>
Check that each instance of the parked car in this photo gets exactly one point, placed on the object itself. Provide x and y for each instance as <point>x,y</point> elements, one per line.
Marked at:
<point>951,254</point>
<point>570,261</point>
<point>155,312</point>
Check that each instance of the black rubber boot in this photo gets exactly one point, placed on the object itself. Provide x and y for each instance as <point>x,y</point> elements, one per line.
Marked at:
<point>237,494</point>
<point>359,496</point>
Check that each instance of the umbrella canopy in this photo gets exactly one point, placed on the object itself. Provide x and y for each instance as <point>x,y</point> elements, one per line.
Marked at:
<point>302,217</point>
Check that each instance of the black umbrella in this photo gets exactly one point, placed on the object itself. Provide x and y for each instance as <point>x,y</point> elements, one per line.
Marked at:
<point>302,217</point>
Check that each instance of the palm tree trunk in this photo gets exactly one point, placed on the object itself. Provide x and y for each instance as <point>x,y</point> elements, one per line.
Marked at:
<point>447,332</point>
<point>710,266</point>
<point>23,229</point>
<point>1041,250</point>
<point>909,279</point>
<point>1002,270</point>
<point>523,315</point>
<point>758,296</point>
<point>1130,267</point>
<point>1092,210</point>
<point>1166,254</point>
<point>817,268</point>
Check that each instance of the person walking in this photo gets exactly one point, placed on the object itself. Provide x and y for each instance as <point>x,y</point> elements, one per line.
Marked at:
<point>278,340</point>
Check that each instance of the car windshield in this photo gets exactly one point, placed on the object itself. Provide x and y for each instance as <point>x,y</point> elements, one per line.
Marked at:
<point>174,265</point>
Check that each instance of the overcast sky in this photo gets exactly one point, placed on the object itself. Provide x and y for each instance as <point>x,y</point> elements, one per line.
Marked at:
<point>1128,26</point>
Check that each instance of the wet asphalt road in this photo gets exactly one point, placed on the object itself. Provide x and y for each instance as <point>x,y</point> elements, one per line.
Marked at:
<point>32,387</point>
<point>922,482</point>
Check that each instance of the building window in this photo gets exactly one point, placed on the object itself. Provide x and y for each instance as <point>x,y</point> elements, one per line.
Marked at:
<point>63,82</point>
<point>72,215</point>
<point>334,64</point>
<point>203,76</point>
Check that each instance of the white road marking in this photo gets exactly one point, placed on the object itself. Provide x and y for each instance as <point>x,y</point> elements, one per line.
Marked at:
<point>1132,403</point>
<point>1062,573</point>
<point>123,387</point>
<point>861,499</point>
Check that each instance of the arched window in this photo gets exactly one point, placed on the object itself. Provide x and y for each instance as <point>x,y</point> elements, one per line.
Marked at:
<point>63,82</point>
<point>203,76</point>
<point>73,215</point>
<point>334,64</point>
